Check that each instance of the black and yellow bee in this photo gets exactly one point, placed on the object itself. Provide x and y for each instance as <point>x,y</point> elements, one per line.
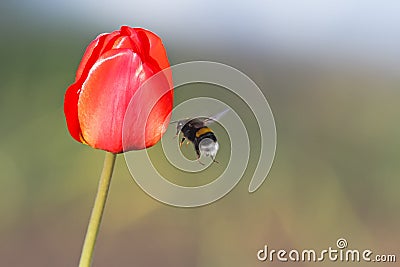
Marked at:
<point>196,130</point>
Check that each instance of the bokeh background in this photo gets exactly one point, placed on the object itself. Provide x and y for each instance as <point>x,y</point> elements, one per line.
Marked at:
<point>330,72</point>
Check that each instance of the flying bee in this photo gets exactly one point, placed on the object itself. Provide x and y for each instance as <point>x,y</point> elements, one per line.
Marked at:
<point>196,131</point>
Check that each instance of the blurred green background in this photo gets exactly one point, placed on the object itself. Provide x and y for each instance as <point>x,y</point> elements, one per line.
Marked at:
<point>330,74</point>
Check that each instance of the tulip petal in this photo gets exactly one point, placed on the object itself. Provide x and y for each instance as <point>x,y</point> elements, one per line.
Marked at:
<point>90,55</point>
<point>71,111</point>
<point>98,46</point>
<point>151,46</point>
<point>148,114</point>
<point>109,41</point>
<point>72,94</point>
<point>124,42</point>
<point>113,68</point>
<point>156,48</point>
<point>105,95</point>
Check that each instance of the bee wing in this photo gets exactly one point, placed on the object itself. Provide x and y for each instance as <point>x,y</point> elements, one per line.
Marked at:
<point>216,117</point>
<point>179,124</point>
<point>172,122</point>
<point>205,121</point>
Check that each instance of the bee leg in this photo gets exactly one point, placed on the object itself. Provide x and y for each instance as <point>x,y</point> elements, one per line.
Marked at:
<point>198,156</point>
<point>214,160</point>
<point>181,142</point>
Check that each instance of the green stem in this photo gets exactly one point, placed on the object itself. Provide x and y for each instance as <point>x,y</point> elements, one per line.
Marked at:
<point>97,211</point>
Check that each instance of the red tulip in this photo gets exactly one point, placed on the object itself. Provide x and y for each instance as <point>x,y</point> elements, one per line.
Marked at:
<point>114,68</point>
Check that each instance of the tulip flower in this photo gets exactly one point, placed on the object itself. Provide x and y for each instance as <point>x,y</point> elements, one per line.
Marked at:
<point>113,68</point>
<point>122,82</point>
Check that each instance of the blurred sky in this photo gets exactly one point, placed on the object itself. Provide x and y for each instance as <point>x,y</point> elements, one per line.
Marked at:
<point>367,30</point>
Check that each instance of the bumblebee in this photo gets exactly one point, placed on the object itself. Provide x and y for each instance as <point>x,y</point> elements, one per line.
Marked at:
<point>196,131</point>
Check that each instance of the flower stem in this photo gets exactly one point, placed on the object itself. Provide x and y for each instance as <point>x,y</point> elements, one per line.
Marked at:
<point>97,211</point>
